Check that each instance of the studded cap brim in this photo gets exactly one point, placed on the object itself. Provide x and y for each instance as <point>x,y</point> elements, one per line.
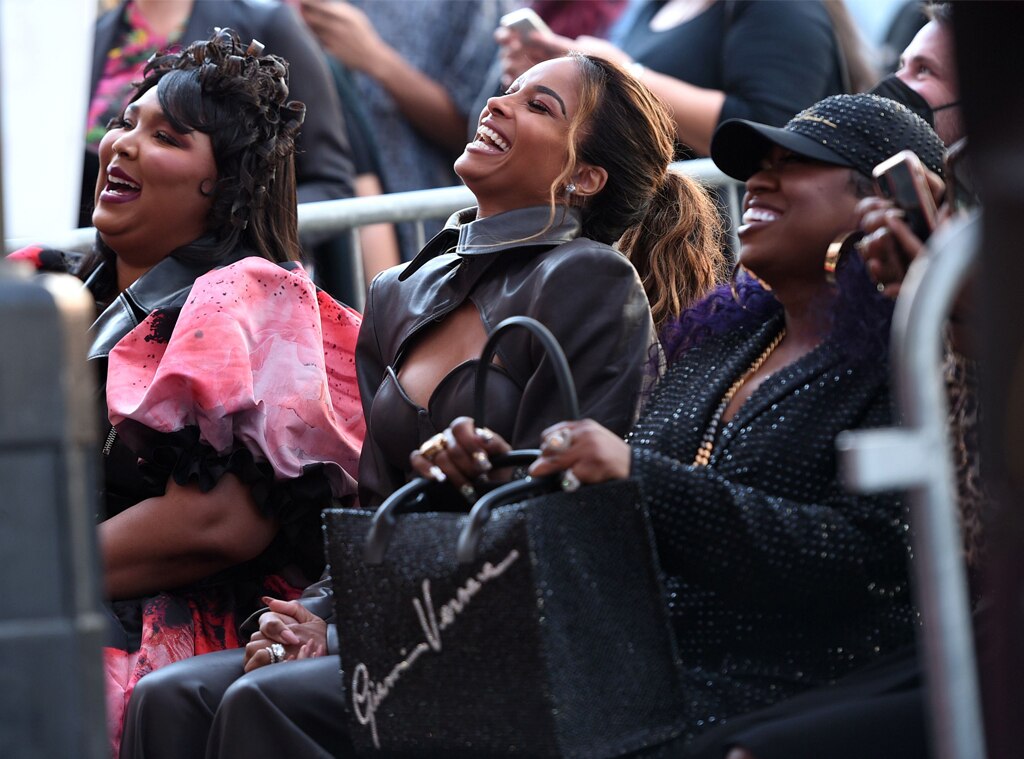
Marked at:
<point>859,131</point>
<point>739,146</point>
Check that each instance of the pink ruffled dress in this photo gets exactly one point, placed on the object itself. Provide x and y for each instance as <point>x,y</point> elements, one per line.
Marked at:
<point>255,376</point>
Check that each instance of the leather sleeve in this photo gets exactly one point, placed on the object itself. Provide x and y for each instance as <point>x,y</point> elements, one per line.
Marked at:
<point>591,298</point>
<point>376,477</point>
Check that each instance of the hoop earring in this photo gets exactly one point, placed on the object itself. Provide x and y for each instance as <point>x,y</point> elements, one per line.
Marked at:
<point>836,250</point>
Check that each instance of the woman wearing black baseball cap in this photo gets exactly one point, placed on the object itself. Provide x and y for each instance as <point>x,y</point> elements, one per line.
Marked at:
<point>779,580</point>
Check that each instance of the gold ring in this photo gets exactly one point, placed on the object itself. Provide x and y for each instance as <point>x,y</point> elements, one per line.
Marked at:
<point>558,441</point>
<point>433,446</point>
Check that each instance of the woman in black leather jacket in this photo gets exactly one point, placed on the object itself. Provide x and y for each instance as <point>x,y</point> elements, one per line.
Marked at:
<point>572,158</point>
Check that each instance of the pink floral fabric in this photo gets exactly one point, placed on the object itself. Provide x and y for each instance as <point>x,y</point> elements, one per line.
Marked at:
<point>258,357</point>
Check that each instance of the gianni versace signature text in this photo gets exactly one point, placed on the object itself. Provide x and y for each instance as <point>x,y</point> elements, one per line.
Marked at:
<point>368,694</point>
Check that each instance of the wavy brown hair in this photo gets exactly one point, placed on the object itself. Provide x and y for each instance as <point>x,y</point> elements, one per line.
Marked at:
<point>666,223</point>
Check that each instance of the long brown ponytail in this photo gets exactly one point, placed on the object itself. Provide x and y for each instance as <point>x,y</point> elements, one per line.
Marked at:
<point>669,226</point>
<point>677,247</point>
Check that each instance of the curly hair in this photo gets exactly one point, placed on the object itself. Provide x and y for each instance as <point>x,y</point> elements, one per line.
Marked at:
<point>240,99</point>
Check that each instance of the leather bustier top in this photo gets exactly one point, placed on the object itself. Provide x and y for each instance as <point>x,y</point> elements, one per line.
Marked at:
<point>516,263</point>
<point>394,410</point>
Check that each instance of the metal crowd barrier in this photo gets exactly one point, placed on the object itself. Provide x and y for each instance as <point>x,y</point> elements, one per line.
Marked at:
<point>335,216</point>
<point>917,457</point>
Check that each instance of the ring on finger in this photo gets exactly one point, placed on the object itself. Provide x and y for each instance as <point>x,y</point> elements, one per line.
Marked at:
<point>570,482</point>
<point>277,653</point>
<point>433,446</point>
<point>558,441</point>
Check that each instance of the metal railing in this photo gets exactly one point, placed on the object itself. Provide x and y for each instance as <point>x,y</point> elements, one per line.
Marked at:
<point>917,457</point>
<point>332,217</point>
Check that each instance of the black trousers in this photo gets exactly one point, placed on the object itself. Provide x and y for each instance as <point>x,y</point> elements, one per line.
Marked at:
<point>207,706</point>
<point>876,712</point>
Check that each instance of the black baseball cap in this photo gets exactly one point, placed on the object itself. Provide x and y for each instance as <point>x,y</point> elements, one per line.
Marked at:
<point>859,131</point>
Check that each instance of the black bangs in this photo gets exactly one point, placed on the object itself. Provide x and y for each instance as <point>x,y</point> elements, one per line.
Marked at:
<point>181,96</point>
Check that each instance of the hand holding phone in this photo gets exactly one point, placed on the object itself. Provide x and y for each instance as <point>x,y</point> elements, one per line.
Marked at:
<point>902,180</point>
<point>523,21</point>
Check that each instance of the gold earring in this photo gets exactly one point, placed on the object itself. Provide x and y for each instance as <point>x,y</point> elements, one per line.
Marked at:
<point>835,252</point>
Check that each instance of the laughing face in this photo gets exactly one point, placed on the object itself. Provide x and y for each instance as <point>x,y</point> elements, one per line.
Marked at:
<point>149,197</point>
<point>521,143</point>
<point>793,209</point>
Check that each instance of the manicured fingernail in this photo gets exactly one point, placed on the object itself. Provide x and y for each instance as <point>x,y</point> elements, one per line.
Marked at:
<point>895,213</point>
<point>482,461</point>
<point>484,434</point>
<point>436,474</point>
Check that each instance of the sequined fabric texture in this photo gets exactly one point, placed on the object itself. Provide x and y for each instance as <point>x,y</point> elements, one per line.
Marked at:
<point>778,580</point>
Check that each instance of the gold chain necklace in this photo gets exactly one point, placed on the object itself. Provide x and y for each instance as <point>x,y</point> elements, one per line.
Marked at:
<point>707,443</point>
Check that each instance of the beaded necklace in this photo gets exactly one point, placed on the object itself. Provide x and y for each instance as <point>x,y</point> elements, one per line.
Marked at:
<point>707,443</point>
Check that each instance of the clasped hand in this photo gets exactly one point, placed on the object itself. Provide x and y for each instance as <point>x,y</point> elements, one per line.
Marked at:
<point>302,633</point>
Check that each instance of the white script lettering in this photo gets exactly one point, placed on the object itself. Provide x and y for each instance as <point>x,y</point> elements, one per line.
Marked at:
<point>369,694</point>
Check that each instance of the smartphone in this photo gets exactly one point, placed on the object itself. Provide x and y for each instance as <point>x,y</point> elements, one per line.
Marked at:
<point>902,180</point>
<point>524,21</point>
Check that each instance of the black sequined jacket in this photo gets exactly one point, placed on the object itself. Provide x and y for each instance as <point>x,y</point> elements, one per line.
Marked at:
<point>778,580</point>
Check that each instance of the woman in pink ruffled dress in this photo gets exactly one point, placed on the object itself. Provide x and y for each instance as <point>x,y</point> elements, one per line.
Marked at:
<point>229,380</point>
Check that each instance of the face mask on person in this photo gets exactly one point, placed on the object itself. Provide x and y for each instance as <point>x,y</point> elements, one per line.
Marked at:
<point>894,88</point>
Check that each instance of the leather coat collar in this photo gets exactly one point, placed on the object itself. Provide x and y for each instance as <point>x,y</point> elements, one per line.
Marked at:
<point>470,237</point>
<point>166,285</point>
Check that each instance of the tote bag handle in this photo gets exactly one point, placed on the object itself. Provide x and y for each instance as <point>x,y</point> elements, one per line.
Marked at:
<point>409,496</point>
<point>559,364</point>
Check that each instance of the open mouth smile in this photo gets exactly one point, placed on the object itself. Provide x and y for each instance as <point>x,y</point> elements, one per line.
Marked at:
<point>490,139</point>
<point>120,187</point>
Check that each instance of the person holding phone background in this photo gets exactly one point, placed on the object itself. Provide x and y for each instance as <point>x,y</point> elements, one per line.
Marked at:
<point>418,66</point>
<point>926,80</point>
<point>712,60</point>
